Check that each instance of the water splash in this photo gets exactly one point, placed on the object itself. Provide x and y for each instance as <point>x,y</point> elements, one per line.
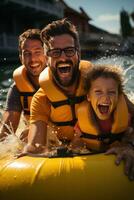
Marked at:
<point>127,64</point>
<point>14,145</point>
<point>10,147</point>
<point>129,79</point>
<point>11,144</point>
<point>52,136</point>
<point>129,68</point>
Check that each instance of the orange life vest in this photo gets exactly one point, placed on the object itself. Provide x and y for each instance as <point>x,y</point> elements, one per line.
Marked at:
<point>88,126</point>
<point>63,108</point>
<point>25,88</point>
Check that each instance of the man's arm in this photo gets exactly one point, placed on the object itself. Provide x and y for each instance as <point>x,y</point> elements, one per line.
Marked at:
<point>124,150</point>
<point>11,116</point>
<point>39,116</point>
<point>10,121</point>
<point>37,137</point>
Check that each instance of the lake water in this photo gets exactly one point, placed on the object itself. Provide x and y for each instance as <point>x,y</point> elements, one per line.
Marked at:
<point>127,62</point>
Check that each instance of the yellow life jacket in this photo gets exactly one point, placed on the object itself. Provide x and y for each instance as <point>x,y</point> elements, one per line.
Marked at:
<point>87,124</point>
<point>25,88</point>
<point>63,108</point>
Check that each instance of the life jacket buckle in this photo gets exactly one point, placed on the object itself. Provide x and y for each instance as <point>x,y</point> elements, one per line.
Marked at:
<point>71,101</point>
<point>104,138</point>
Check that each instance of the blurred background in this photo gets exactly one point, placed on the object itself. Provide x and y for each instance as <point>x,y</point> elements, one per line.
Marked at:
<point>106,30</point>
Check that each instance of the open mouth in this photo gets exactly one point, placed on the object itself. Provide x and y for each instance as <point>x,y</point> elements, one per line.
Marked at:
<point>66,68</point>
<point>35,65</point>
<point>104,108</point>
<point>35,68</point>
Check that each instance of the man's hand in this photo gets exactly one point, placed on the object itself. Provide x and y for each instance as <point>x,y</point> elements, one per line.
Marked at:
<point>128,137</point>
<point>125,153</point>
<point>31,149</point>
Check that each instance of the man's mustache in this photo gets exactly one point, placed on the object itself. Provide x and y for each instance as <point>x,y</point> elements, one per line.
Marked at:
<point>65,62</point>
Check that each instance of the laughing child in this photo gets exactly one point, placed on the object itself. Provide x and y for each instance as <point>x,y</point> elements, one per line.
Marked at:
<point>103,117</point>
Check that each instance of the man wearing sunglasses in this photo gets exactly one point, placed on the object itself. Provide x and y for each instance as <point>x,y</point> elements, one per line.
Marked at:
<point>61,87</point>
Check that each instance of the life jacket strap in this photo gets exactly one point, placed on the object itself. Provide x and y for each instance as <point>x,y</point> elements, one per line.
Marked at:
<point>25,98</point>
<point>66,123</point>
<point>70,101</point>
<point>105,138</point>
<point>27,94</point>
<point>26,112</point>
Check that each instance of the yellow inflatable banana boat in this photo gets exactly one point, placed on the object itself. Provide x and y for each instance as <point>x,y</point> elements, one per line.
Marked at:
<point>88,177</point>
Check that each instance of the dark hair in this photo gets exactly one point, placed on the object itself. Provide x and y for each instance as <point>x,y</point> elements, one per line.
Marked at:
<point>105,71</point>
<point>59,27</point>
<point>32,34</point>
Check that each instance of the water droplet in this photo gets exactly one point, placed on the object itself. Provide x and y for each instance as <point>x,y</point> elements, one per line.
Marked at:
<point>9,80</point>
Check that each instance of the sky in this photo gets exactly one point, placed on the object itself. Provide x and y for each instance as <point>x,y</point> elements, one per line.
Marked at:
<point>105,14</point>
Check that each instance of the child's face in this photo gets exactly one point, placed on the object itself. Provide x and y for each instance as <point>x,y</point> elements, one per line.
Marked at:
<point>103,96</point>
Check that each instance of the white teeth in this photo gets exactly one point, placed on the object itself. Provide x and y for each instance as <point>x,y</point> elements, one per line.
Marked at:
<point>104,104</point>
<point>63,65</point>
<point>35,65</point>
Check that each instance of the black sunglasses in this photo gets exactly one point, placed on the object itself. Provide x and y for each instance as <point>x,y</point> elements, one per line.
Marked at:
<point>55,53</point>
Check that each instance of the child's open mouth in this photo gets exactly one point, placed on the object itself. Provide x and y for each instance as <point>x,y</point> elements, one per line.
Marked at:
<point>103,108</point>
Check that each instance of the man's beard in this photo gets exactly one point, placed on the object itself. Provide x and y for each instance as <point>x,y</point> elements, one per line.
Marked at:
<point>75,72</point>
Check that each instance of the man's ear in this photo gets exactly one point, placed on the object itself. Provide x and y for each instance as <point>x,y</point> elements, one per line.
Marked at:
<point>20,56</point>
<point>47,59</point>
<point>88,97</point>
<point>79,55</point>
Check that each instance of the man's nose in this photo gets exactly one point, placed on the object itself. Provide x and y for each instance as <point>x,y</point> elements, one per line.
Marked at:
<point>33,57</point>
<point>63,55</point>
